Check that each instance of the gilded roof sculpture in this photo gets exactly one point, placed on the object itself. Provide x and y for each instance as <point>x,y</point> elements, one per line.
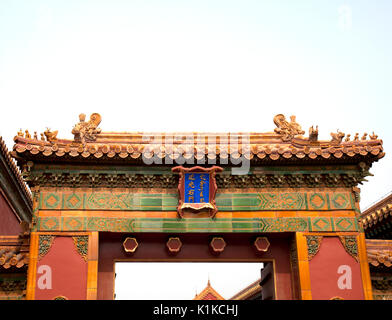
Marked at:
<point>288,130</point>
<point>50,136</point>
<point>87,131</point>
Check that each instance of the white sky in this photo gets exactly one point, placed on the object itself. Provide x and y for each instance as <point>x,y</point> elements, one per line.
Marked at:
<point>221,66</point>
<point>165,280</point>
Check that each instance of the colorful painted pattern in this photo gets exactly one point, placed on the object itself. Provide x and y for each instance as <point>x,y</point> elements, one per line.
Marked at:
<point>45,242</point>
<point>256,201</point>
<point>81,245</point>
<point>313,243</point>
<point>350,245</point>
<point>286,224</point>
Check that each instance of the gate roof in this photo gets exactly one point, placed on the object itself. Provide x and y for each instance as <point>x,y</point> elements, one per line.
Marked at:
<point>285,145</point>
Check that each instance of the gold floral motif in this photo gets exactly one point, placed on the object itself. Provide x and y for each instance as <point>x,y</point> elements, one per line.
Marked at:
<point>81,245</point>
<point>44,244</point>
<point>350,245</point>
<point>313,243</point>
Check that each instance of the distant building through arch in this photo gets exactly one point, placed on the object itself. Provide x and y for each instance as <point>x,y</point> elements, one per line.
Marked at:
<point>208,293</point>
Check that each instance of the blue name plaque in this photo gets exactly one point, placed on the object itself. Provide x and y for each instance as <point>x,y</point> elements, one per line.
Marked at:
<point>197,188</point>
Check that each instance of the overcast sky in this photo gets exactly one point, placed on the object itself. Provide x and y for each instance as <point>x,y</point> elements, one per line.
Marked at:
<point>221,66</point>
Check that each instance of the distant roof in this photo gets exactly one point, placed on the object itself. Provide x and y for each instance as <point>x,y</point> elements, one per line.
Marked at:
<point>209,293</point>
<point>13,176</point>
<point>286,144</point>
<point>374,219</point>
<point>248,292</point>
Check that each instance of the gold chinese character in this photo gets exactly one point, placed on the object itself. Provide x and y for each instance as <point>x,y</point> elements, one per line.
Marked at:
<point>191,176</point>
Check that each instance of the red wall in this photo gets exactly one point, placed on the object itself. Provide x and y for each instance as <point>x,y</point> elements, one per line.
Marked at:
<point>324,272</point>
<point>69,272</point>
<point>9,223</point>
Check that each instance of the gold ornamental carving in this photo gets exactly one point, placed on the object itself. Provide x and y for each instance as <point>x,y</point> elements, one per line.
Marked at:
<point>288,130</point>
<point>87,131</point>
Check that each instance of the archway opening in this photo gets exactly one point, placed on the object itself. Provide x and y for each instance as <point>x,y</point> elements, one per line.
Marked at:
<point>187,280</point>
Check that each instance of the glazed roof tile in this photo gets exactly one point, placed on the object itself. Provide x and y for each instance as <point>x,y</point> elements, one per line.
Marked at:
<point>14,252</point>
<point>248,291</point>
<point>379,252</point>
<point>10,163</point>
<point>255,146</point>
<point>209,293</point>
<point>377,213</point>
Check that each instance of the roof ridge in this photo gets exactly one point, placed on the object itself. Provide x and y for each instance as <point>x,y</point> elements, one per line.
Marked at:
<point>15,170</point>
<point>252,148</point>
<point>255,285</point>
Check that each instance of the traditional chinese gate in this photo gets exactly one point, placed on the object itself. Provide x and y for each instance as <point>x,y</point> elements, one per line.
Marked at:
<point>281,198</point>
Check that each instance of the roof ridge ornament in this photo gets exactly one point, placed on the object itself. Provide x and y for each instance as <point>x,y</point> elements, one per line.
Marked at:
<point>337,137</point>
<point>373,136</point>
<point>313,135</point>
<point>87,131</point>
<point>50,135</point>
<point>288,130</point>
